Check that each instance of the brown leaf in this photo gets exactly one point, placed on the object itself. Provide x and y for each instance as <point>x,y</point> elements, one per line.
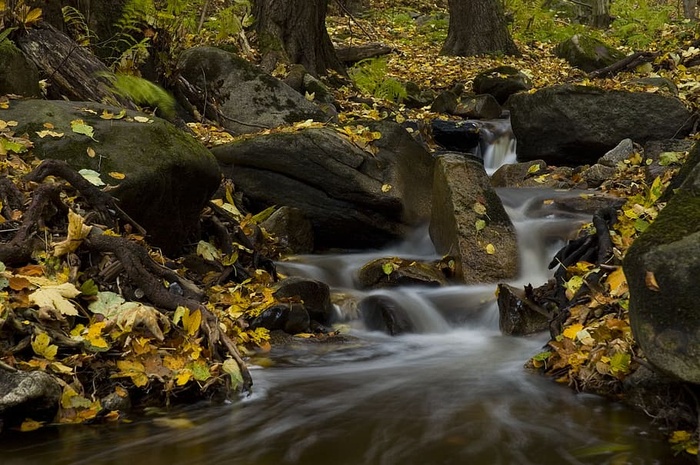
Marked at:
<point>650,281</point>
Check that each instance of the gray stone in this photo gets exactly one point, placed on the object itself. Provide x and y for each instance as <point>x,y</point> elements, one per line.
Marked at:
<point>619,154</point>
<point>576,125</point>
<point>33,394</point>
<point>517,315</point>
<point>248,97</point>
<point>662,268</point>
<point>462,195</point>
<point>597,174</point>
<point>381,313</point>
<point>353,198</point>
<point>169,176</point>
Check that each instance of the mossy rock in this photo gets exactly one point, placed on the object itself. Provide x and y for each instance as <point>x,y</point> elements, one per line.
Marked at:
<point>501,82</point>
<point>17,74</point>
<point>169,176</point>
<point>587,53</point>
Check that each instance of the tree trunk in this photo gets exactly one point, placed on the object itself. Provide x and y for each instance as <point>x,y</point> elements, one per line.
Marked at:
<point>601,18</point>
<point>295,30</point>
<point>476,27</point>
<point>690,9</point>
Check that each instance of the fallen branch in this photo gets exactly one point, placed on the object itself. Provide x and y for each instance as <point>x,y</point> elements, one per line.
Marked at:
<point>629,62</point>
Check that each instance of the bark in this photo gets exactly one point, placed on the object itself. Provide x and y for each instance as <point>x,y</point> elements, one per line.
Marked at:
<point>353,54</point>
<point>690,9</point>
<point>477,27</point>
<point>72,70</point>
<point>601,18</point>
<point>295,30</point>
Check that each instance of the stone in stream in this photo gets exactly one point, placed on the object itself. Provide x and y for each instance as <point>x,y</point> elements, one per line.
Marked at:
<point>576,125</point>
<point>24,395</point>
<point>393,272</point>
<point>469,222</point>
<point>381,313</point>
<point>518,315</point>
<point>501,82</point>
<point>662,268</point>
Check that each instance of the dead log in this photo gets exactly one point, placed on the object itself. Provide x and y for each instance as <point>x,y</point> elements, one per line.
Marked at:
<point>353,54</point>
<point>72,71</point>
<point>628,63</point>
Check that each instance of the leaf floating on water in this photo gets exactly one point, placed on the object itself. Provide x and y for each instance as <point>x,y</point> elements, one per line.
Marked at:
<point>174,423</point>
<point>30,425</point>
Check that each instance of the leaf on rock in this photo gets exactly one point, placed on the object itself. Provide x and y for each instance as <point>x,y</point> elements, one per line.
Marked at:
<point>479,208</point>
<point>56,296</point>
<point>234,371</point>
<point>117,175</point>
<point>490,249</point>
<point>47,133</point>
<point>79,126</point>
<point>92,176</point>
<point>650,281</point>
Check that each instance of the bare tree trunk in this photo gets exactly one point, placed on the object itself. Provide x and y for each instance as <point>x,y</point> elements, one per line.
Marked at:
<point>601,18</point>
<point>690,9</point>
<point>477,27</point>
<point>295,30</point>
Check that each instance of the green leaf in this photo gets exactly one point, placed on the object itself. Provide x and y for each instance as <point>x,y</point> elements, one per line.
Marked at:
<point>89,288</point>
<point>542,356</point>
<point>480,224</point>
<point>9,146</point>
<point>669,158</point>
<point>388,268</point>
<point>107,304</point>
<point>200,371</point>
<point>79,126</point>
<point>620,363</point>
<point>231,367</point>
<point>641,225</point>
<point>92,176</point>
<point>207,251</point>
<point>263,215</point>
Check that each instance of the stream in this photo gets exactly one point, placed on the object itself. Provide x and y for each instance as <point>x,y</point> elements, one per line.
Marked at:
<point>456,393</point>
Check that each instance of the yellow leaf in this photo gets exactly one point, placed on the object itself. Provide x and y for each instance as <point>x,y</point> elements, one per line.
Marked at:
<point>183,377</point>
<point>33,16</point>
<point>571,331</point>
<point>91,152</point>
<point>174,423</point>
<point>533,169</point>
<point>41,344</point>
<point>56,296</point>
<point>47,132</point>
<point>142,119</point>
<point>191,321</point>
<point>134,370</point>
<point>617,283</point>
<point>117,175</point>
<point>479,208</point>
<point>94,336</point>
<point>77,231</point>
<point>30,425</point>
<point>490,249</point>
<point>386,187</point>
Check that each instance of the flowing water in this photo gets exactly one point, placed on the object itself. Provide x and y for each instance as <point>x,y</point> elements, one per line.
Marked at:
<point>456,393</point>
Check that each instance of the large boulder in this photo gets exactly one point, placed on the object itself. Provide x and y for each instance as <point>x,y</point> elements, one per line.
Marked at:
<point>353,198</point>
<point>587,53</point>
<point>248,97</point>
<point>575,125</point>
<point>395,271</point>
<point>169,176</point>
<point>470,223</point>
<point>662,268</point>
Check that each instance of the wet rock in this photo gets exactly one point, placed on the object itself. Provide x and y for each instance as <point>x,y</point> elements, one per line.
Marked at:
<point>662,267</point>
<point>33,394</point>
<point>417,97</point>
<point>456,136</point>
<point>533,173</point>
<point>353,198</point>
<point>587,202</point>
<point>518,315</point>
<point>291,318</point>
<point>249,98</point>
<point>292,228</point>
<point>314,295</point>
<point>469,222</point>
<point>381,313</point>
<point>660,82</point>
<point>482,106</point>
<point>587,53</point>
<point>169,176</point>
<point>392,272</point>
<point>576,125</point>
<point>501,82</point>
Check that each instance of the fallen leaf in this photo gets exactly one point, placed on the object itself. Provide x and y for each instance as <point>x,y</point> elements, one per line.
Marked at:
<point>92,176</point>
<point>41,345</point>
<point>56,296</point>
<point>490,249</point>
<point>79,126</point>
<point>91,152</point>
<point>117,175</point>
<point>77,231</point>
<point>650,281</point>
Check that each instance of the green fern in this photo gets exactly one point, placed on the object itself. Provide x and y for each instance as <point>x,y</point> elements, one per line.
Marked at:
<point>77,26</point>
<point>370,77</point>
<point>142,92</point>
